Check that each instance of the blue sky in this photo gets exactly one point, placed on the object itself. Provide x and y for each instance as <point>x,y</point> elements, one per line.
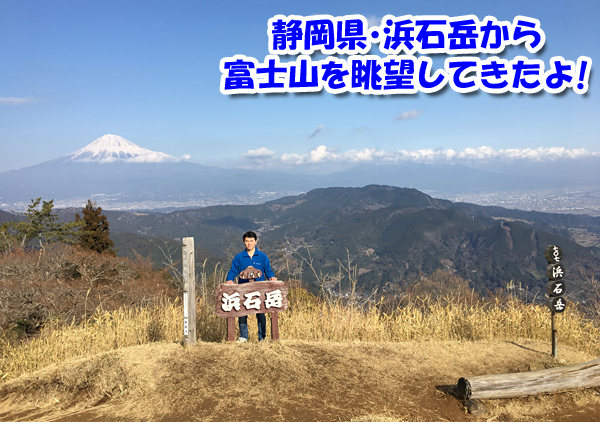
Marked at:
<point>72,71</point>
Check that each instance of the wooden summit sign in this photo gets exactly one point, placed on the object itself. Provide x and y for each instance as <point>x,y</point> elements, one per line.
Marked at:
<point>258,297</point>
<point>255,297</point>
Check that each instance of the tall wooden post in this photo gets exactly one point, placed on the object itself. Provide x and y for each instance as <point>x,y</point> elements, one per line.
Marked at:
<point>554,339</point>
<point>556,288</point>
<point>189,292</point>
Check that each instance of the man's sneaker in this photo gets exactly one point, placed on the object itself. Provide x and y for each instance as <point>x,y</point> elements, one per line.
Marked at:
<point>242,340</point>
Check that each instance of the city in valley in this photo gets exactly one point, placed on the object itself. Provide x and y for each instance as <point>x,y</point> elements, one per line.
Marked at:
<point>568,201</point>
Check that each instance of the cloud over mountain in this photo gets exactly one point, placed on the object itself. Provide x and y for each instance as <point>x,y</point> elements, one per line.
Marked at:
<point>324,154</point>
<point>260,154</point>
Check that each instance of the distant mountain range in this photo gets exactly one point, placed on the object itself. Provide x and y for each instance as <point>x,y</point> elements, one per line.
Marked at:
<point>392,234</point>
<point>119,174</point>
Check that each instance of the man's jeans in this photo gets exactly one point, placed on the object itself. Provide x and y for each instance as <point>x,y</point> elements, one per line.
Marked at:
<point>262,326</point>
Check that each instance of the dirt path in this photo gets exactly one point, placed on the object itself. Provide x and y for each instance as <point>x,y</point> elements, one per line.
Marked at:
<point>297,381</point>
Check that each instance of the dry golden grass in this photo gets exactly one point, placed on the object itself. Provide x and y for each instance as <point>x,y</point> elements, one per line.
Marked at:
<point>310,319</point>
<point>437,319</point>
<point>106,330</point>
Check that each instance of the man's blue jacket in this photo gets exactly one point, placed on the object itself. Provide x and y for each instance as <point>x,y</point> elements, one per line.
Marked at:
<point>259,260</point>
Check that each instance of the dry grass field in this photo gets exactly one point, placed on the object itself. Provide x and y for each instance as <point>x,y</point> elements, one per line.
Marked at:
<point>290,380</point>
<point>336,362</point>
<point>386,360</point>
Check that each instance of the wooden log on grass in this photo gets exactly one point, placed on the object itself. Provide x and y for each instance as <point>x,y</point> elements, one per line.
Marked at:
<point>553,380</point>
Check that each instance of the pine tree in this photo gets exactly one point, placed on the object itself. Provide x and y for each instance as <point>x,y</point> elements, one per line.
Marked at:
<point>95,230</point>
<point>40,226</point>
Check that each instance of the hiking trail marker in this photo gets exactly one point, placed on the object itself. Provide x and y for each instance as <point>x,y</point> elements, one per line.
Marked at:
<point>189,292</point>
<point>556,288</point>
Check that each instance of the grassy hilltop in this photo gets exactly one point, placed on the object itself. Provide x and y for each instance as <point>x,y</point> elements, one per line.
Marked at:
<point>91,336</point>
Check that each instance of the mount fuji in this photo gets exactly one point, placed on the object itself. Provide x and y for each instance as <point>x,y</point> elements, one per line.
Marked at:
<point>118,174</point>
<point>111,148</point>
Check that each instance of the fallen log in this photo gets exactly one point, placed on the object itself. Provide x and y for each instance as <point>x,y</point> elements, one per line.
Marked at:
<point>553,380</point>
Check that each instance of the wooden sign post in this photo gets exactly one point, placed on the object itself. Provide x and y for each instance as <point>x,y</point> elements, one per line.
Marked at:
<point>556,288</point>
<point>256,297</point>
<point>189,292</point>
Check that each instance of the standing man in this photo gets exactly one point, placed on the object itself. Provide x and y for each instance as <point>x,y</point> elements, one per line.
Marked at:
<point>251,257</point>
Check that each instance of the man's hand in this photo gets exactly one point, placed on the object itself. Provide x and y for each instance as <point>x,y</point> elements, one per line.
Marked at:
<point>273,279</point>
<point>229,281</point>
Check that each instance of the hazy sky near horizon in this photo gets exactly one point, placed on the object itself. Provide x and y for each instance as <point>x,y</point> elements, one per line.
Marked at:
<point>72,71</point>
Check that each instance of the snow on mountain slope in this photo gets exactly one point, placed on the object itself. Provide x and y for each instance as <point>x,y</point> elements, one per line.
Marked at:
<point>111,148</point>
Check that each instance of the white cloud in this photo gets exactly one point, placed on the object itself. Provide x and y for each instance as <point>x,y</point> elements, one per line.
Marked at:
<point>317,130</point>
<point>407,115</point>
<point>260,154</point>
<point>537,154</point>
<point>15,101</point>
<point>152,157</point>
<point>323,154</point>
<point>317,155</point>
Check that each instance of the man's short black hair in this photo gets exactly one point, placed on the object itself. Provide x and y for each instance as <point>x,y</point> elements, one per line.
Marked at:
<point>250,234</point>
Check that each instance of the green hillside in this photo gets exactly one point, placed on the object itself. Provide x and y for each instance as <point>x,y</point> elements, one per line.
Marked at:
<point>392,234</point>
<point>157,250</point>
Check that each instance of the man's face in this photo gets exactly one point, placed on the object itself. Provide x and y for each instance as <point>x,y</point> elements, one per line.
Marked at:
<point>250,243</point>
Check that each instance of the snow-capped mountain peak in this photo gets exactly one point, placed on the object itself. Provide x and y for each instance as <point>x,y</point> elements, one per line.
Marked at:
<point>111,148</point>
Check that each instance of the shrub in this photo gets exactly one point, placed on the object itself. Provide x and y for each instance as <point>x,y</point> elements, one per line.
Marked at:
<point>68,283</point>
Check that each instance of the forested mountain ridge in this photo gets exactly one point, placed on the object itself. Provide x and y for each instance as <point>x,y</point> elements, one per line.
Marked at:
<point>392,234</point>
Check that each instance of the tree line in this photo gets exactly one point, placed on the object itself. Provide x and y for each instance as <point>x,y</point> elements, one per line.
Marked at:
<point>40,226</point>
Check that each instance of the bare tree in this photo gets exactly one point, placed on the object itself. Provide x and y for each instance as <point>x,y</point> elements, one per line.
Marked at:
<point>172,262</point>
<point>593,303</point>
<point>352,274</point>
